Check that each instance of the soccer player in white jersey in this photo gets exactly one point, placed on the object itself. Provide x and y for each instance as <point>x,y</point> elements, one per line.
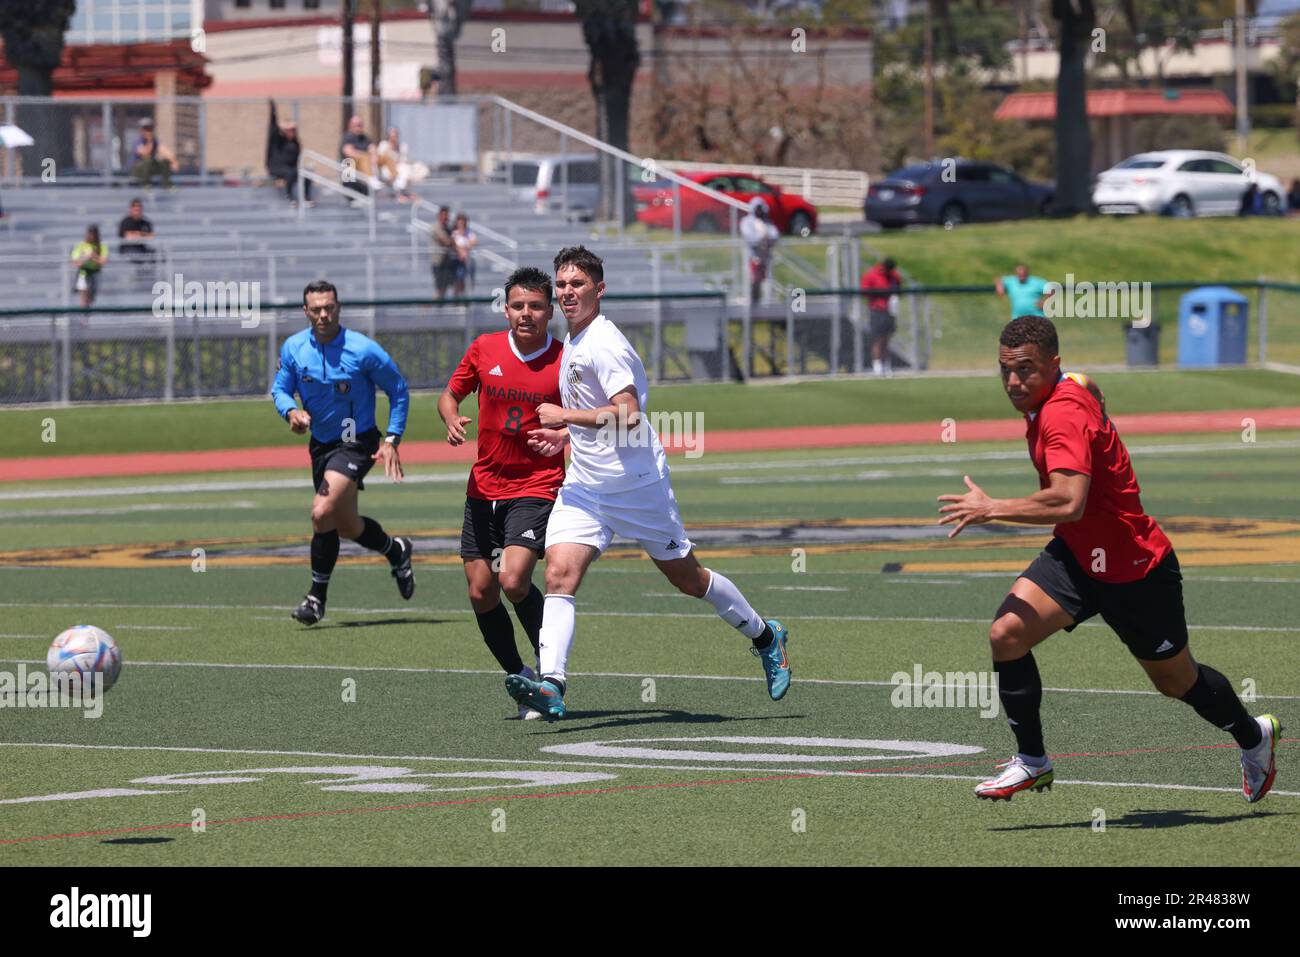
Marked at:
<point>617,483</point>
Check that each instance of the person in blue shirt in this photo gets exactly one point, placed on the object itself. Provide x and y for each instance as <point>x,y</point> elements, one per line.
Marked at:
<point>335,371</point>
<point>1027,293</point>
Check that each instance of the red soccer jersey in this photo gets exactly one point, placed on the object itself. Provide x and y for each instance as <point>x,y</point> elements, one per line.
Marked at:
<point>1069,432</point>
<point>877,278</point>
<point>509,391</point>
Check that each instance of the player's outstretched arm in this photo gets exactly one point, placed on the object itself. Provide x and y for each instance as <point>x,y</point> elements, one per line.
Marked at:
<point>1061,502</point>
<point>623,408</point>
<point>449,412</point>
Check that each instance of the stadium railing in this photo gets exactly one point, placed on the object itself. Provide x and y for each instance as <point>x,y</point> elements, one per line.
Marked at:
<point>61,355</point>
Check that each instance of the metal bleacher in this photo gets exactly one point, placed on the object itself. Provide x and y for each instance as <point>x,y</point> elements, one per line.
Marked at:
<point>220,232</point>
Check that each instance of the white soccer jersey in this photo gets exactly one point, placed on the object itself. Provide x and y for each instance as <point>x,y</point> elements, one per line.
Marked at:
<point>596,364</point>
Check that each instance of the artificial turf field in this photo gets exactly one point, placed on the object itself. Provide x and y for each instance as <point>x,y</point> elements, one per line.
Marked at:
<point>672,752</point>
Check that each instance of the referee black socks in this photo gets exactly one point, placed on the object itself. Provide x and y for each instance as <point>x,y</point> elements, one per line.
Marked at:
<point>376,539</point>
<point>1021,690</point>
<point>1214,700</point>
<point>324,556</point>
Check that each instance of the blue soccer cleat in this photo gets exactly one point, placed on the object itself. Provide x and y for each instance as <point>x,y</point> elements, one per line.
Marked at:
<point>542,696</point>
<point>776,664</point>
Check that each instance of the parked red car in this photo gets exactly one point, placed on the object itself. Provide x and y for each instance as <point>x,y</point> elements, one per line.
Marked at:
<point>790,212</point>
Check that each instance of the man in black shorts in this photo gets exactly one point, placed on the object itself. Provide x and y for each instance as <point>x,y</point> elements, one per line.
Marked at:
<point>513,483</point>
<point>336,370</point>
<point>1108,558</point>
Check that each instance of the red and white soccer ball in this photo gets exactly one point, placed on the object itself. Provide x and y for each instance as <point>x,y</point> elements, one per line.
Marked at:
<point>83,650</point>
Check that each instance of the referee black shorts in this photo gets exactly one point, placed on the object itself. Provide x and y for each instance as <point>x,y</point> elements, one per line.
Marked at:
<point>1147,614</point>
<point>491,526</point>
<point>353,459</point>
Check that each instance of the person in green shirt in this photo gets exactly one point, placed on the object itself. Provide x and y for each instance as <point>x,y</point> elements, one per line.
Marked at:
<point>1027,293</point>
<point>89,257</point>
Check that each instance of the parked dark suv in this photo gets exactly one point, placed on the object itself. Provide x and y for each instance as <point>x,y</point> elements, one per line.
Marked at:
<point>970,192</point>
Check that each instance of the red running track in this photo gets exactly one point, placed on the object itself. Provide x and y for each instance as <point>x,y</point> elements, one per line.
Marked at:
<point>725,440</point>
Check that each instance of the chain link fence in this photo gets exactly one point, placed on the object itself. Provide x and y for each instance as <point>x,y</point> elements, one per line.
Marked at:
<point>126,353</point>
<point>231,346</point>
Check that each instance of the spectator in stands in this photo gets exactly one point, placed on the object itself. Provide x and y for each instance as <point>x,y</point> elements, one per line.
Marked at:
<point>760,237</point>
<point>358,149</point>
<point>1292,197</point>
<point>882,322</point>
<point>465,240</point>
<point>445,258</point>
<point>1026,293</point>
<point>282,152</point>
<point>394,166</point>
<point>152,158</point>
<point>89,257</point>
<point>133,228</point>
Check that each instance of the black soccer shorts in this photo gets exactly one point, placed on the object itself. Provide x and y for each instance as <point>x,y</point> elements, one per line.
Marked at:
<point>491,526</point>
<point>1147,614</point>
<point>353,459</point>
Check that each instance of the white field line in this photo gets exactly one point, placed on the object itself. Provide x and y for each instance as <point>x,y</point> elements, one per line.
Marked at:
<point>956,458</point>
<point>729,770</point>
<point>593,613</point>
<point>853,683</point>
<point>126,509</point>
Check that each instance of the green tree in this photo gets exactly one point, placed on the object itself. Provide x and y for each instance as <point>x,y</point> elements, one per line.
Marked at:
<point>609,29</point>
<point>1076,20</point>
<point>33,34</point>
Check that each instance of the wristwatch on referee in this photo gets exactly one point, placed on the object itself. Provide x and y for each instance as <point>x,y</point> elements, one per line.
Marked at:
<point>393,439</point>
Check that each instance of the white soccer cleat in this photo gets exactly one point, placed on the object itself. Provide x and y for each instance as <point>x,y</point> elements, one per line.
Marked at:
<point>525,712</point>
<point>1257,774</point>
<point>1016,776</point>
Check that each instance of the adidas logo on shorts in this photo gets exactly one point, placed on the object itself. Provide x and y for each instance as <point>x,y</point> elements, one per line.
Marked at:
<point>496,370</point>
<point>529,534</point>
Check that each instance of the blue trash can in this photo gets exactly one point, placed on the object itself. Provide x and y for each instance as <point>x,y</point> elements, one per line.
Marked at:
<point>1212,324</point>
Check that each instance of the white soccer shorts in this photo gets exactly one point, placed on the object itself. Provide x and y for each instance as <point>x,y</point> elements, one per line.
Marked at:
<point>647,514</point>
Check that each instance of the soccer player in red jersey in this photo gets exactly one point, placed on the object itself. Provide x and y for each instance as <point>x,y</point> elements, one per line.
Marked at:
<point>513,483</point>
<point>1107,557</point>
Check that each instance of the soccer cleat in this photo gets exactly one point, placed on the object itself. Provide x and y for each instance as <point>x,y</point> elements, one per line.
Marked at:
<point>1018,776</point>
<point>544,697</point>
<point>1257,779</point>
<point>310,611</point>
<point>776,664</point>
<point>526,711</point>
<point>402,570</point>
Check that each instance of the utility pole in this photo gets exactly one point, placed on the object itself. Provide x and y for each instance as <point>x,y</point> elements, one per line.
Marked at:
<point>1243,106</point>
<point>349,16</point>
<point>376,93</point>
<point>929,80</point>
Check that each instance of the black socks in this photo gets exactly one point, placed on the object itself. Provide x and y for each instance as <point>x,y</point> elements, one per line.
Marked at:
<point>376,539</point>
<point>499,635</point>
<point>324,555</point>
<point>1214,700</point>
<point>530,614</point>
<point>1021,691</point>
<point>765,638</point>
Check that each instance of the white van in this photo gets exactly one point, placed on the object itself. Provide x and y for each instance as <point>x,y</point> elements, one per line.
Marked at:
<point>542,179</point>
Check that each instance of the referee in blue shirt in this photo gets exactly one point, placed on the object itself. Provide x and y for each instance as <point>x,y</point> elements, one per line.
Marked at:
<point>335,371</point>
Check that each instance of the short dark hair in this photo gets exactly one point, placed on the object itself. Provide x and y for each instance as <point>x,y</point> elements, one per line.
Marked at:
<point>889,264</point>
<point>1026,330</point>
<point>319,285</point>
<point>582,258</point>
<point>137,201</point>
<point>529,277</point>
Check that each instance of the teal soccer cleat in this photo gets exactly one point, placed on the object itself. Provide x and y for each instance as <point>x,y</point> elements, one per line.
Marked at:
<point>543,696</point>
<point>776,664</point>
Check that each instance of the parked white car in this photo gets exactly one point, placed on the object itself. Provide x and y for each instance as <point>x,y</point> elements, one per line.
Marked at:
<point>1190,182</point>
